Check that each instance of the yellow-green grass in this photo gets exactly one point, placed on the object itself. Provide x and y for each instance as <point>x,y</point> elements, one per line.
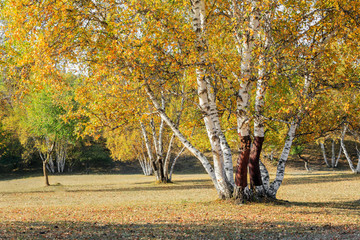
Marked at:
<point>317,205</point>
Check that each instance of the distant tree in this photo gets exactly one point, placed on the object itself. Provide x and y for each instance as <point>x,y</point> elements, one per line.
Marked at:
<point>40,117</point>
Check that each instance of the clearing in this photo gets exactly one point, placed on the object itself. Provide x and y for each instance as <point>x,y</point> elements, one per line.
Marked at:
<point>316,205</point>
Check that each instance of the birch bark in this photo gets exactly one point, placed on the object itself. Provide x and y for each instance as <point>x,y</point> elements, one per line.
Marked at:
<point>351,165</point>
<point>167,158</point>
<point>159,162</point>
<point>148,146</point>
<point>324,154</point>
<point>338,157</point>
<point>174,162</point>
<point>332,153</point>
<point>204,161</point>
<point>207,99</point>
<point>245,47</point>
<point>280,172</point>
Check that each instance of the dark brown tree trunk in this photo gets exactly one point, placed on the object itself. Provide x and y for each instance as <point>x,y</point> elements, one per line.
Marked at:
<point>254,166</point>
<point>45,174</point>
<point>242,164</point>
<point>162,177</point>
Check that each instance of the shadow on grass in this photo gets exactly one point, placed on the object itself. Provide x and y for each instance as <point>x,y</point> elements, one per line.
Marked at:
<point>175,229</point>
<point>157,187</point>
<point>164,187</point>
<point>16,176</point>
<point>319,178</point>
<point>193,181</point>
<point>348,207</point>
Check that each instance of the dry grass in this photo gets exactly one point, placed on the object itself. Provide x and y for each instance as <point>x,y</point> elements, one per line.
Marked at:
<point>320,205</point>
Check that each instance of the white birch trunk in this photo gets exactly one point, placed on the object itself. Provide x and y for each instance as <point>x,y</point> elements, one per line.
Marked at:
<point>204,161</point>
<point>145,165</point>
<point>332,153</point>
<point>227,155</point>
<point>274,186</point>
<point>161,128</point>
<point>207,98</point>
<point>247,48</point>
<point>261,80</point>
<point>147,143</point>
<point>50,166</point>
<point>223,173</point>
<point>168,155</point>
<point>351,165</point>
<point>259,104</point>
<point>324,154</point>
<point>155,140</point>
<point>338,157</point>
<point>60,153</point>
<point>224,151</point>
<point>265,176</point>
<point>174,162</point>
<point>340,151</point>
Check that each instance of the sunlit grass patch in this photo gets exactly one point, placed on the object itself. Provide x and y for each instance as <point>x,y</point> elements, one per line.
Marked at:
<point>323,205</point>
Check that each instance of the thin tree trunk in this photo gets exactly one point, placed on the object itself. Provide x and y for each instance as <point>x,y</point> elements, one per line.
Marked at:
<point>46,177</point>
<point>338,157</point>
<point>50,165</point>
<point>351,165</point>
<point>159,161</point>
<point>358,165</point>
<point>174,162</point>
<point>167,158</point>
<point>332,153</point>
<point>324,154</point>
<point>353,169</point>
<point>264,176</point>
<point>145,165</point>
<point>274,186</point>
<point>148,146</point>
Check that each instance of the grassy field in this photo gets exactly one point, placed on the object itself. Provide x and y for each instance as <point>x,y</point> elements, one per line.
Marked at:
<point>316,205</point>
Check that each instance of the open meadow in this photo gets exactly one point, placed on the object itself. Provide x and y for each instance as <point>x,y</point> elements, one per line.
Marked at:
<point>316,205</point>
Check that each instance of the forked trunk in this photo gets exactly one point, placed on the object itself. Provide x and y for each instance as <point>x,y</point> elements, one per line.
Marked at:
<point>204,161</point>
